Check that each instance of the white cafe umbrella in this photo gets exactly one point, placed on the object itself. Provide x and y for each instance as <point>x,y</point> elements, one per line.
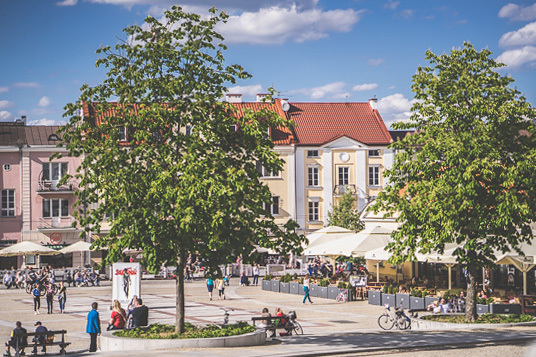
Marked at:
<point>79,246</point>
<point>524,262</point>
<point>27,248</point>
<point>327,234</point>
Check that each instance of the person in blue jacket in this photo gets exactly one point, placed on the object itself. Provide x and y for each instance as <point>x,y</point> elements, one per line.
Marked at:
<point>93,326</point>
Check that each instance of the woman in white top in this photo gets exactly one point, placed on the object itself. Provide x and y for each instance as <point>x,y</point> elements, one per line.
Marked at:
<point>306,289</point>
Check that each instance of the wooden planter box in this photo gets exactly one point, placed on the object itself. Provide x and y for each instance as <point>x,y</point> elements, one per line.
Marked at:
<point>482,309</point>
<point>294,288</point>
<point>374,297</point>
<point>275,286</point>
<point>389,299</point>
<point>402,300</point>
<point>284,288</point>
<point>322,292</point>
<point>313,290</point>
<point>333,292</point>
<point>505,309</point>
<point>416,303</point>
<point>267,285</point>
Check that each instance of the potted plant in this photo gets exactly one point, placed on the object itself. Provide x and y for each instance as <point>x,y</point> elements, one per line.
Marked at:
<point>388,295</point>
<point>416,300</point>
<point>402,299</point>
<point>267,283</point>
<point>284,283</point>
<point>482,305</point>
<point>322,291</point>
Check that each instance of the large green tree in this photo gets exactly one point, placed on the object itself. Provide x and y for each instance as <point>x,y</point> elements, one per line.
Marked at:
<point>182,180</point>
<point>345,214</point>
<point>467,174</point>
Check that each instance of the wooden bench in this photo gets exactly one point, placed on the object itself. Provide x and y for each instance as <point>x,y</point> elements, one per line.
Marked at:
<point>50,340</point>
<point>528,304</point>
<point>288,327</point>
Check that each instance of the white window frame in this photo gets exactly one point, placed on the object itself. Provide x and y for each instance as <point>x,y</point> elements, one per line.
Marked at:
<point>61,210</point>
<point>374,175</point>
<point>313,153</point>
<point>273,208</point>
<point>7,203</point>
<point>313,176</point>
<point>313,213</point>
<point>55,170</point>
<point>122,133</point>
<point>345,171</point>
<point>372,152</point>
<point>265,173</point>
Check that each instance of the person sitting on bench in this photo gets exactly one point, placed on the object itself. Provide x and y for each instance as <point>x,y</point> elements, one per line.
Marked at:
<point>18,340</point>
<point>40,339</point>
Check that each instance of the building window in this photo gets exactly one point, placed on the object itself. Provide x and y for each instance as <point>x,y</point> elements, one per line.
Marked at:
<point>274,207</point>
<point>265,172</point>
<point>314,212</point>
<point>374,176</point>
<point>233,127</point>
<point>312,174</point>
<point>55,208</point>
<point>188,129</point>
<point>7,167</point>
<point>30,259</point>
<point>374,153</point>
<point>344,177</point>
<point>122,133</point>
<point>8,203</point>
<point>54,171</point>
<point>312,153</point>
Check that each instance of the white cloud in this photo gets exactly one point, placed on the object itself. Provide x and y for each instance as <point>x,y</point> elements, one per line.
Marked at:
<point>335,90</point>
<point>247,91</point>
<point>5,115</point>
<point>520,57</point>
<point>519,13</point>
<point>44,102</point>
<point>42,121</point>
<point>26,84</point>
<point>522,37</point>
<point>67,3</point>
<point>407,14</point>
<point>4,89</point>
<point>374,62</point>
<point>391,5</point>
<point>277,25</point>
<point>395,108</point>
<point>364,87</point>
<point>4,104</point>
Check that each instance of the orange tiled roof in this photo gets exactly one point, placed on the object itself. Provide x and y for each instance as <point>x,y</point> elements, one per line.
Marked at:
<point>320,123</point>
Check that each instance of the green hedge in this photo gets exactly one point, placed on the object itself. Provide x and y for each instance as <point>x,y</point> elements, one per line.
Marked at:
<point>158,331</point>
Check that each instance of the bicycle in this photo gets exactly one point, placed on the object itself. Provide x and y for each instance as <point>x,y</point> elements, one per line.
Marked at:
<point>295,325</point>
<point>343,296</point>
<point>226,314</point>
<point>397,318</point>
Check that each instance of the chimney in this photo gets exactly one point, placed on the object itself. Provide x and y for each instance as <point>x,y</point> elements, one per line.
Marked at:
<point>373,102</point>
<point>261,96</point>
<point>22,120</point>
<point>233,98</point>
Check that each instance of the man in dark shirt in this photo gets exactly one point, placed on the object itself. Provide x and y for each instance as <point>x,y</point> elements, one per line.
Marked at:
<point>19,340</point>
<point>40,339</point>
<point>140,314</point>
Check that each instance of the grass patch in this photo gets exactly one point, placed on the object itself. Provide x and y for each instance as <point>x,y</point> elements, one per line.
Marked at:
<point>191,331</point>
<point>482,319</point>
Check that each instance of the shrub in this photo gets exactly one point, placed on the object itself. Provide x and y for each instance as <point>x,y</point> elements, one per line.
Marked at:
<point>341,285</point>
<point>416,293</point>
<point>324,282</point>
<point>286,278</point>
<point>385,289</point>
<point>268,277</point>
<point>157,331</point>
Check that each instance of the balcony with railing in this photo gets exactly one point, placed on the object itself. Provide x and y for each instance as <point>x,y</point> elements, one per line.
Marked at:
<point>340,190</point>
<point>47,186</point>
<point>56,224</point>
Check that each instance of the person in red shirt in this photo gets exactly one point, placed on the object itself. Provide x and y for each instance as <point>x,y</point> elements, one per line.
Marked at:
<point>118,318</point>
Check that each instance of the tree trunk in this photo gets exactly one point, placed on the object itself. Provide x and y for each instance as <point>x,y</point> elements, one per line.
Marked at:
<point>179,302</point>
<point>470,303</point>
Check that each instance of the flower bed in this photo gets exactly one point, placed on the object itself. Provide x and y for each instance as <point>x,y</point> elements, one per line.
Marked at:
<point>482,319</point>
<point>158,331</point>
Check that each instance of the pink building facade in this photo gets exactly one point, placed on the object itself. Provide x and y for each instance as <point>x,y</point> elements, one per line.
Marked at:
<point>33,207</point>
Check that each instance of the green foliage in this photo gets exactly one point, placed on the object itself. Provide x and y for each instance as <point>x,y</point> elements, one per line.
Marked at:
<point>392,289</point>
<point>300,280</point>
<point>341,285</point>
<point>294,276</point>
<point>158,331</point>
<point>385,289</point>
<point>160,190</point>
<point>485,301</point>
<point>452,293</point>
<point>268,277</point>
<point>466,176</point>
<point>345,215</point>
<point>287,278</point>
<point>416,293</point>
<point>324,282</point>
<point>482,319</point>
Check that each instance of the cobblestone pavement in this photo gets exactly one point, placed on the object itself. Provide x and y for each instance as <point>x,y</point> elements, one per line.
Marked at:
<point>329,327</point>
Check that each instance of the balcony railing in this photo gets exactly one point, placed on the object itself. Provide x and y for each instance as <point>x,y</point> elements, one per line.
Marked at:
<point>45,186</point>
<point>342,189</point>
<point>55,223</point>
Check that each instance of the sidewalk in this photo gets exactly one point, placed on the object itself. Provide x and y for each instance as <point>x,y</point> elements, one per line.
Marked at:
<point>329,327</point>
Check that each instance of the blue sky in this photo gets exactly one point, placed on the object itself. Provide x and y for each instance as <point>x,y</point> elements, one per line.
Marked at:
<point>309,50</point>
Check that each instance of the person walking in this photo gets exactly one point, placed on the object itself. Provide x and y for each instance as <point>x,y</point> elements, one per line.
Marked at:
<point>306,289</point>
<point>220,284</point>
<point>36,293</point>
<point>62,297</point>
<point>256,273</point>
<point>210,287</point>
<point>93,326</point>
<point>50,298</point>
